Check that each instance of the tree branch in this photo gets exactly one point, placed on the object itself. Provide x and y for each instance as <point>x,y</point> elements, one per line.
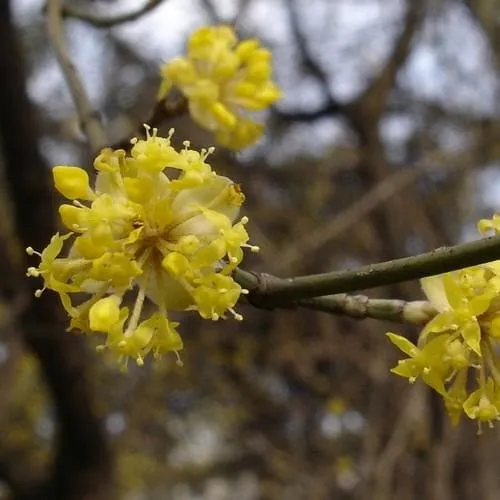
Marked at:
<point>173,106</point>
<point>109,21</point>
<point>270,291</point>
<point>418,312</point>
<point>88,116</point>
<point>313,67</point>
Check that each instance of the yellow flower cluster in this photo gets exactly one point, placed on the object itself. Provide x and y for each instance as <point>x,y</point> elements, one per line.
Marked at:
<point>223,80</point>
<point>457,351</point>
<point>159,221</point>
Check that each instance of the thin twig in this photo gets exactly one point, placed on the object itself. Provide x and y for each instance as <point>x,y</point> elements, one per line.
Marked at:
<point>173,106</point>
<point>109,21</point>
<point>270,291</point>
<point>418,312</point>
<point>88,116</point>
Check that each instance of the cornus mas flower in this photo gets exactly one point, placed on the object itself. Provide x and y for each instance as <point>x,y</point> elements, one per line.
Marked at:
<point>457,351</point>
<point>159,224</point>
<point>224,81</point>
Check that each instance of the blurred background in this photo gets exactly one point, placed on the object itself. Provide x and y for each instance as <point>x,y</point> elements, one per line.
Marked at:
<point>385,144</point>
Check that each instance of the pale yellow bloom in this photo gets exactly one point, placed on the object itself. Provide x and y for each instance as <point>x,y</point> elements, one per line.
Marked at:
<point>225,82</point>
<point>461,340</point>
<point>158,221</point>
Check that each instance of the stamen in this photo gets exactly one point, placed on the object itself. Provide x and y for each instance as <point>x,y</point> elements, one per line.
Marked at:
<point>237,316</point>
<point>136,313</point>
<point>206,152</point>
<point>79,204</point>
<point>38,293</point>
<point>179,361</point>
<point>252,248</point>
<point>31,251</point>
<point>214,316</point>
<point>123,361</point>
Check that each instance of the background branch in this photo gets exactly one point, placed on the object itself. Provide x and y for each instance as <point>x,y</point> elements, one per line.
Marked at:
<point>390,186</point>
<point>109,21</point>
<point>174,106</point>
<point>88,116</point>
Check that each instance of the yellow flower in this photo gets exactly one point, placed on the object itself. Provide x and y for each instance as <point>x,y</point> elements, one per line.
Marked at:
<point>484,404</point>
<point>425,363</point>
<point>159,221</point>
<point>461,338</point>
<point>224,82</point>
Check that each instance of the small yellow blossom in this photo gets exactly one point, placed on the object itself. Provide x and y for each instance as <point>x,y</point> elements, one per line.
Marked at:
<point>224,82</point>
<point>159,221</point>
<point>458,347</point>
<point>483,404</point>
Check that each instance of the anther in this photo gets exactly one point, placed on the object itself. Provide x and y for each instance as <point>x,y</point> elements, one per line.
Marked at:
<point>33,272</point>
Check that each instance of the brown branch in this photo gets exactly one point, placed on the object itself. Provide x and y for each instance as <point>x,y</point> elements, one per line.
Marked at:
<point>109,21</point>
<point>364,115</point>
<point>313,67</point>
<point>373,100</point>
<point>173,106</point>
<point>88,116</point>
